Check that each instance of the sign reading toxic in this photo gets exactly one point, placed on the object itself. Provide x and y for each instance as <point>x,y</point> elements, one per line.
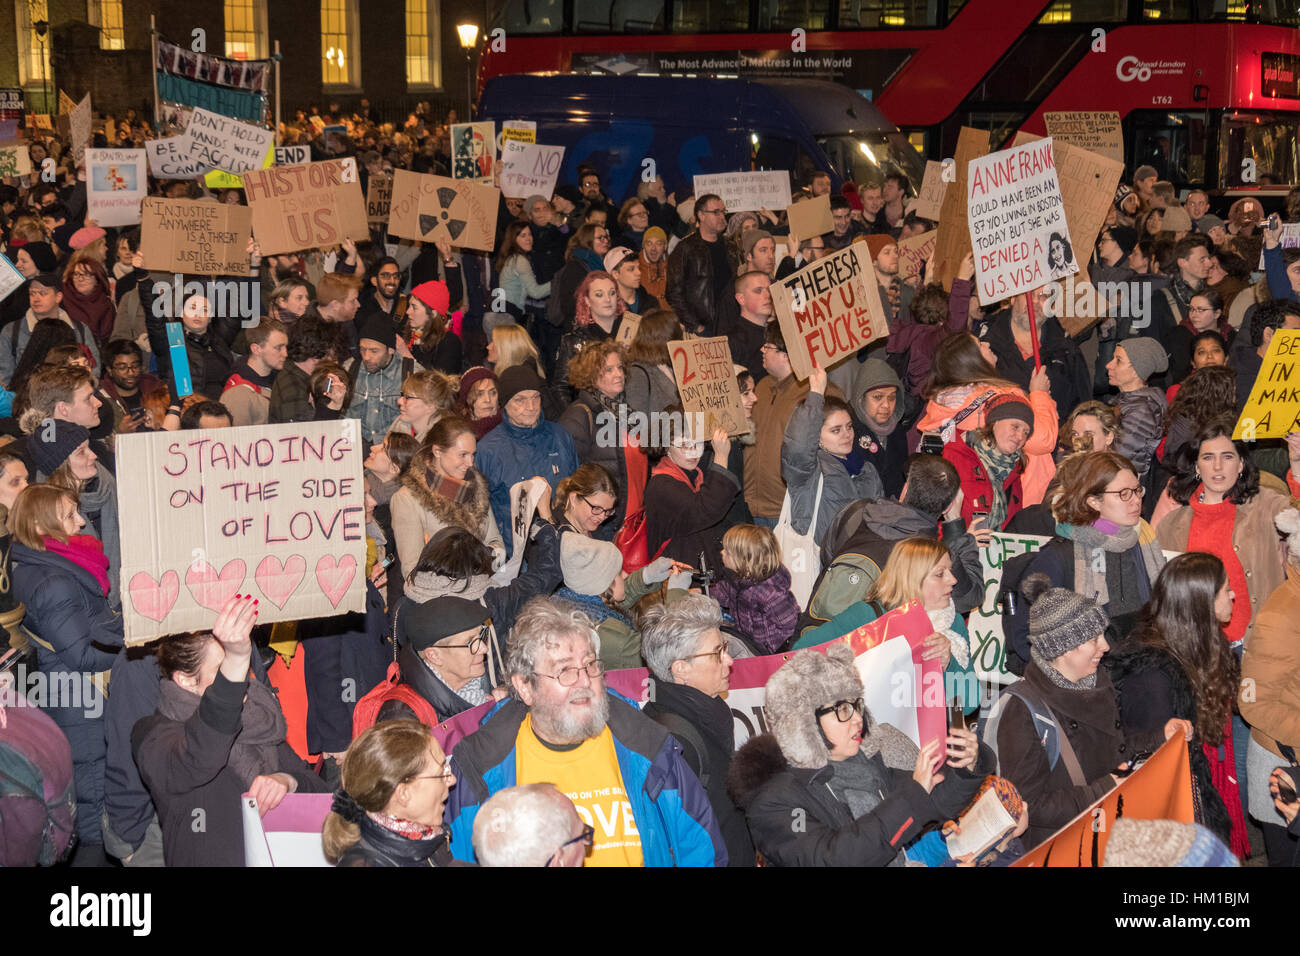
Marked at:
<point>706,380</point>
<point>829,309</point>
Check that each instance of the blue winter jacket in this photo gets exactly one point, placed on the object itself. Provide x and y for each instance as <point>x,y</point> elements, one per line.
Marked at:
<point>1279,285</point>
<point>671,809</point>
<point>509,454</point>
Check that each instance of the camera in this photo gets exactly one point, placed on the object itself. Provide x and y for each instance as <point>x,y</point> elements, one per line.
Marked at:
<point>931,444</point>
<point>704,577</point>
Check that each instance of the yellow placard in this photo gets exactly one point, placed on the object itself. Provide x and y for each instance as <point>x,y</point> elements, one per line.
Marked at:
<point>220,179</point>
<point>1273,410</point>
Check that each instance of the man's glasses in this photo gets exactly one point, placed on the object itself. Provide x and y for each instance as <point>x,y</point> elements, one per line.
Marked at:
<point>843,709</point>
<point>569,675</point>
<point>597,510</point>
<point>133,367</point>
<point>586,837</point>
<point>721,211</point>
<point>1126,494</point>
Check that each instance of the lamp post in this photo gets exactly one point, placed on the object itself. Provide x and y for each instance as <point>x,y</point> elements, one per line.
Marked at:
<point>468,40</point>
<point>42,27</point>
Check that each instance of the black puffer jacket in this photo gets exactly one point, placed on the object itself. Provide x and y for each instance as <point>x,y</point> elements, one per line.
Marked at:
<point>379,846</point>
<point>210,358</point>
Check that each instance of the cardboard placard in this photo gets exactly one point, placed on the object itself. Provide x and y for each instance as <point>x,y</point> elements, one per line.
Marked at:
<point>914,253</point>
<point>43,121</point>
<point>197,236</point>
<point>1098,131</point>
<point>428,207</point>
<point>627,329</point>
<point>306,207</point>
<point>528,169</point>
<point>15,160</point>
<point>473,151</point>
<point>116,181</point>
<point>954,234</point>
<point>79,122</point>
<point>11,279</point>
<point>748,192</point>
<point>379,197</point>
<point>220,179</point>
<point>172,158</point>
<point>830,308</point>
<point>1017,221</point>
<point>809,218</point>
<point>227,144</point>
<point>292,155</point>
<point>276,511</point>
<point>706,381</point>
<point>929,201</point>
<point>1273,409</point>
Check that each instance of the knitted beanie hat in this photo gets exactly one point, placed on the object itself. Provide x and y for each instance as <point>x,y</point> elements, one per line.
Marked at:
<point>1059,619</point>
<point>1008,407</point>
<point>53,442</point>
<point>878,242</point>
<point>1007,793</point>
<point>1164,843</point>
<point>1208,222</point>
<point>378,327</point>
<point>516,379</point>
<point>806,682</point>
<point>1146,355</point>
<point>435,295</point>
<point>471,378</point>
<point>589,564</point>
<point>41,253</point>
<point>753,237</point>
<point>1125,237</point>
<point>654,232</point>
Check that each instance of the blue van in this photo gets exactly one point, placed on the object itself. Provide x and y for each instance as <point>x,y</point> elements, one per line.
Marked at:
<point>691,125</point>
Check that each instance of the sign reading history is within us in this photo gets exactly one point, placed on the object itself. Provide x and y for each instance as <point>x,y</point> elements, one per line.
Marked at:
<point>276,511</point>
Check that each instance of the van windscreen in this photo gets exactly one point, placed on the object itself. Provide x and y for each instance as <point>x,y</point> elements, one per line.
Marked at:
<point>870,157</point>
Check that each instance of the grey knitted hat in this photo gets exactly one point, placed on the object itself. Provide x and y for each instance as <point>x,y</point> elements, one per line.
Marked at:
<point>589,564</point>
<point>807,681</point>
<point>1146,355</point>
<point>1059,619</point>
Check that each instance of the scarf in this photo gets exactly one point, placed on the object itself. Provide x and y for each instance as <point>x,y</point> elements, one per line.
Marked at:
<point>1222,327</point>
<point>669,467</point>
<point>1059,679</point>
<point>594,606</point>
<point>262,727</point>
<point>85,552</point>
<point>453,489</point>
<point>425,586</point>
<point>122,269</point>
<point>473,693</point>
<point>1000,467</point>
<point>1223,774</point>
<point>588,259</point>
<point>942,621</point>
<point>406,828</point>
<point>1211,532</point>
<point>1182,290</point>
<point>611,405</point>
<point>95,311</point>
<point>654,275</point>
<point>1089,538</point>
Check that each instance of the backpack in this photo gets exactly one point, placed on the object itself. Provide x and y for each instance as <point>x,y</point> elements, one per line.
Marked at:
<point>1046,728</point>
<point>844,583</point>
<point>38,800</point>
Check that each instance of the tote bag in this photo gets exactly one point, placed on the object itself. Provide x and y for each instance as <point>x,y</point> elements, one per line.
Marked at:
<point>799,552</point>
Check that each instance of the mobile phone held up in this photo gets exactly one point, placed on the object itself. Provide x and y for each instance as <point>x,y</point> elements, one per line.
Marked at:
<point>1286,791</point>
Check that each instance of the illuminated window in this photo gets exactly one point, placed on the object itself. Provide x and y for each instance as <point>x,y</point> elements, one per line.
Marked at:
<point>338,43</point>
<point>107,15</point>
<point>33,53</point>
<point>246,29</point>
<point>423,67</point>
<point>1086,11</point>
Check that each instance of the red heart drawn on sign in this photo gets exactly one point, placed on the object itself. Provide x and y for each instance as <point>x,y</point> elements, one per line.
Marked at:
<point>212,590</point>
<point>151,598</point>
<point>277,580</point>
<point>334,577</point>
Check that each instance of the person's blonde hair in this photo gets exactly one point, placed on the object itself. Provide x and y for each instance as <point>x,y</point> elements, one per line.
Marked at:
<point>433,387</point>
<point>383,756</point>
<point>515,347</point>
<point>35,515</point>
<point>754,551</point>
<point>903,574</point>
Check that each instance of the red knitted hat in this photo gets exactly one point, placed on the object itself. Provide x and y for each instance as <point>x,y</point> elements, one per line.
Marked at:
<point>435,295</point>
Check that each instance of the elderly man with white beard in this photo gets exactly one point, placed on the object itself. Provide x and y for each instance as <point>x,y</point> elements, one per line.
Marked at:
<point>624,772</point>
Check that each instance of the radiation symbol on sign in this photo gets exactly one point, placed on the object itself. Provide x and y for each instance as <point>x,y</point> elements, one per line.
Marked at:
<point>449,210</point>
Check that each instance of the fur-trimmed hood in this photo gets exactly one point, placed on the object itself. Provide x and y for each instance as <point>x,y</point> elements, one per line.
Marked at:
<point>469,515</point>
<point>809,680</point>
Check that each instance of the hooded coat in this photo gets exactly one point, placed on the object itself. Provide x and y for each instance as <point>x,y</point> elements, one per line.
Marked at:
<point>419,512</point>
<point>510,454</point>
<point>887,453</point>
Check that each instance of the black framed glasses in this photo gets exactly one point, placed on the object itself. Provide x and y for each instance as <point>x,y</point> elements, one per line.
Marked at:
<point>843,709</point>
<point>568,676</point>
<point>597,510</point>
<point>475,644</point>
<point>586,838</point>
<point>1126,494</point>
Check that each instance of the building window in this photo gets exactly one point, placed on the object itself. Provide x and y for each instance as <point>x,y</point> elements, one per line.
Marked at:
<point>246,29</point>
<point>423,37</point>
<point>338,43</point>
<point>107,15</point>
<point>33,52</point>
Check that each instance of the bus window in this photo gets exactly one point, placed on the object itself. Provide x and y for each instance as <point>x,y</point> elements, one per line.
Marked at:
<point>706,16</point>
<point>873,14</point>
<point>532,16</point>
<point>869,157</point>
<point>618,16</point>
<point>777,152</point>
<point>788,14</point>
<point>1086,11</point>
<point>1264,144</point>
<point>1167,11</point>
<point>1175,144</point>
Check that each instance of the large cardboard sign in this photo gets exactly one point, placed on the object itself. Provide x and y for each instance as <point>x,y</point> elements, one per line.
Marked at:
<point>1273,409</point>
<point>809,218</point>
<point>528,169</point>
<point>429,208</point>
<point>15,160</point>
<point>276,511</point>
<point>1017,222</point>
<point>227,144</point>
<point>747,192</point>
<point>196,236</point>
<point>79,123</point>
<point>706,380</point>
<point>473,151</point>
<point>830,308</point>
<point>929,201</point>
<point>11,280</point>
<point>305,207</point>
<point>116,182</point>
<point>172,158</point>
<point>1098,131</point>
<point>915,252</point>
<point>379,198</point>
<point>954,234</point>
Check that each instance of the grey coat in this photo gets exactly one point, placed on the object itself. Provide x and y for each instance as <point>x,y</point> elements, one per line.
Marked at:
<point>802,460</point>
<point>648,389</point>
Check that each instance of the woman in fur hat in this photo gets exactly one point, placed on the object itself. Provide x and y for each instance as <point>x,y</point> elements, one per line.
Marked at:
<point>442,488</point>
<point>860,791</point>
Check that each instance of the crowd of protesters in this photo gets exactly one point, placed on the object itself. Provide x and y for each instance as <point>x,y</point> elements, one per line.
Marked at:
<point>469,372</point>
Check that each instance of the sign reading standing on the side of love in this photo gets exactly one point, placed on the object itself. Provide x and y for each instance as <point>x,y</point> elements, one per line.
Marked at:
<point>706,380</point>
<point>276,511</point>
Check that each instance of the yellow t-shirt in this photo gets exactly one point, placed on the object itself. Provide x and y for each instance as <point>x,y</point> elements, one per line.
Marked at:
<point>589,776</point>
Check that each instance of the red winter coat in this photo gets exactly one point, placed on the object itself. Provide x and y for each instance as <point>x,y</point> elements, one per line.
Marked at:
<point>975,483</point>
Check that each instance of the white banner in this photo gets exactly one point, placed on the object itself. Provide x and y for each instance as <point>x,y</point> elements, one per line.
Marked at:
<point>987,642</point>
<point>747,192</point>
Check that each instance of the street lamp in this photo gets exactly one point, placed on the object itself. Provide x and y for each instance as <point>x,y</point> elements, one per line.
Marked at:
<point>468,40</point>
<point>42,27</point>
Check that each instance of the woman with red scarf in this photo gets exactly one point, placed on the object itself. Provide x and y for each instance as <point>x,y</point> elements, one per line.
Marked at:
<point>1177,664</point>
<point>61,576</point>
<point>88,297</point>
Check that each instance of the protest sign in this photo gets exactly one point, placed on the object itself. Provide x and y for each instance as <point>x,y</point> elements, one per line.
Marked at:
<point>15,160</point>
<point>747,192</point>
<point>11,279</point>
<point>524,496</point>
<point>1273,409</point>
<point>289,834</point>
<point>528,169</point>
<point>220,179</point>
<point>173,158</point>
<point>627,328</point>
<point>520,131</point>
<point>429,208</point>
<point>929,202</point>
<point>379,197</point>
<point>1017,222</point>
<point>305,207</point>
<point>809,218</point>
<point>43,121</point>
<point>12,105</point>
<point>197,236</point>
<point>271,510</point>
<point>227,144</point>
<point>706,380</point>
<point>79,121</point>
<point>954,233</point>
<point>292,155</point>
<point>1098,131</point>
<point>473,151</point>
<point>116,182</point>
<point>915,252</point>
<point>988,646</point>
<point>1160,789</point>
<point>830,308</point>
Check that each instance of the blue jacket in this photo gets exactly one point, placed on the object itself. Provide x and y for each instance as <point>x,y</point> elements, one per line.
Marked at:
<point>671,809</point>
<point>509,454</point>
<point>1279,286</point>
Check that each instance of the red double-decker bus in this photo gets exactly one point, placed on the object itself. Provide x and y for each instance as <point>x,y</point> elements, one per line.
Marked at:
<point>1209,90</point>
